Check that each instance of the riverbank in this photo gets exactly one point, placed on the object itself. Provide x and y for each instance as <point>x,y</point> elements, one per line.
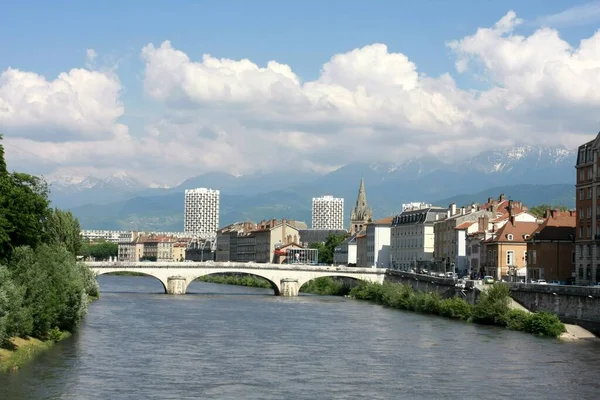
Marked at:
<point>26,349</point>
<point>492,307</point>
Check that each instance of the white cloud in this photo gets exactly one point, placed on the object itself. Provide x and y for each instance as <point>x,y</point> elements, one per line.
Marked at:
<point>578,15</point>
<point>368,104</point>
<point>80,104</point>
<point>90,58</point>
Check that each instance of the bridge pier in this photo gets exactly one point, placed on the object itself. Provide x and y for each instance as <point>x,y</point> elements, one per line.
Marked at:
<point>289,287</point>
<point>176,285</point>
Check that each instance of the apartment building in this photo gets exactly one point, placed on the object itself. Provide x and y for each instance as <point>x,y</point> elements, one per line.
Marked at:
<point>327,213</point>
<point>460,230</point>
<point>587,241</point>
<point>258,244</point>
<point>345,253</point>
<point>378,235</point>
<point>201,213</point>
<point>551,248</point>
<point>412,235</point>
<point>98,235</point>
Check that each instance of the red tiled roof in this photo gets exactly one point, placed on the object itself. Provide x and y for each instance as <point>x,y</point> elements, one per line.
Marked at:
<point>464,225</point>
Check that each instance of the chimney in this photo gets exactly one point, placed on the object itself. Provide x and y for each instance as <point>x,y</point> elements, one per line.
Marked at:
<point>490,200</point>
<point>572,213</point>
<point>283,231</point>
<point>483,223</point>
<point>502,197</point>
<point>453,208</point>
<point>462,211</point>
<point>448,213</point>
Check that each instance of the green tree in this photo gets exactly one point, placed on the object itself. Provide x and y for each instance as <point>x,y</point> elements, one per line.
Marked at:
<point>15,318</point>
<point>326,249</point>
<point>103,250</point>
<point>55,287</point>
<point>62,228</point>
<point>539,210</point>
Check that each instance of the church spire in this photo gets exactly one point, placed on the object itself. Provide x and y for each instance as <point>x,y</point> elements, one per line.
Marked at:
<point>362,196</point>
<point>361,214</point>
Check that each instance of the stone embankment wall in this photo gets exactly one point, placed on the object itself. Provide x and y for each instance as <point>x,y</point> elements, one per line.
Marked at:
<point>578,305</point>
<point>423,283</point>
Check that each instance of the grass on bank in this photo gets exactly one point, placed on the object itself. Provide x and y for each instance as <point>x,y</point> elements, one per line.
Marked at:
<point>492,307</point>
<point>322,286</point>
<point>22,350</point>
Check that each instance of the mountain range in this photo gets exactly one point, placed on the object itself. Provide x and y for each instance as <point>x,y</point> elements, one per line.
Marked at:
<point>532,174</point>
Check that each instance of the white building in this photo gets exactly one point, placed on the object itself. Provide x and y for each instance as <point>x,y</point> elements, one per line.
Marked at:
<point>345,253</point>
<point>415,206</point>
<point>412,236</point>
<point>378,243</point>
<point>201,212</point>
<point>95,235</point>
<point>327,213</point>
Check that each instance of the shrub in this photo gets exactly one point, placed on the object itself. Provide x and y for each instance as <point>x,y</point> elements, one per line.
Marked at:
<point>428,303</point>
<point>456,308</point>
<point>492,306</point>
<point>545,324</point>
<point>516,320</point>
<point>55,334</point>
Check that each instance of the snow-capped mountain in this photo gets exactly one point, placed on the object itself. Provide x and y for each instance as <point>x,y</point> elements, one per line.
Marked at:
<point>70,190</point>
<point>502,161</point>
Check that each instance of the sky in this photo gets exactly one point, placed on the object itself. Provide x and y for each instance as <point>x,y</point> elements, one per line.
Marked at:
<point>163,91</point>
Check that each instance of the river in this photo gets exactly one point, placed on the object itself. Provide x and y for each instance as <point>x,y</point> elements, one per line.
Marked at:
<point>228,342</point>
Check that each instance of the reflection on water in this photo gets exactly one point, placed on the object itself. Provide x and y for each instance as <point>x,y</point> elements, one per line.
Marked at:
<point>228,342</point>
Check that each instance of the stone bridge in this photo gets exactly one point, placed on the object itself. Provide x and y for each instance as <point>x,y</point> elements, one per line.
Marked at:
<point>286,279</point>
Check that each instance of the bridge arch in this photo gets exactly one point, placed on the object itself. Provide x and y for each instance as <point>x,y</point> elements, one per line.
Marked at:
<point>274,285</point>
<point>104,271</point>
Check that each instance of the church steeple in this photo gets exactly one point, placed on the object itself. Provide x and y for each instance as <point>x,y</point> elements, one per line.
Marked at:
<point>361,213</point>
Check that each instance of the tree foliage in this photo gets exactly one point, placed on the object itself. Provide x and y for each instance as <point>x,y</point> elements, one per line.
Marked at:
<point>539,210</point>
<point>99,250</point>
<point>326,249</point>
<point>62,228</point>
<point>42,287</point>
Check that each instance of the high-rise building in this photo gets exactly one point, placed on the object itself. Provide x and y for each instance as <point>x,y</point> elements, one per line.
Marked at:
<point>361,213</point>
<point>587,240</point>
<point>201,212</point>
<point>327,213</point>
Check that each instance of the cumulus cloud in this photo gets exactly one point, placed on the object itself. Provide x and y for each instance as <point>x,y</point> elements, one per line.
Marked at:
<point>367,104</point>
<point>79,104</point>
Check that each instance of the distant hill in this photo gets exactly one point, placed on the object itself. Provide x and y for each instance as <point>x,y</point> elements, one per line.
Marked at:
<point>533,175</point>
<point>530,195</point>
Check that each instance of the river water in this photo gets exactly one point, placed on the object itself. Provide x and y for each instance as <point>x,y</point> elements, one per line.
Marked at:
<point>228,342</point>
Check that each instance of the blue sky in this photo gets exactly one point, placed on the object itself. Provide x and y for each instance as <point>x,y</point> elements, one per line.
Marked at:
<point>51,37</point>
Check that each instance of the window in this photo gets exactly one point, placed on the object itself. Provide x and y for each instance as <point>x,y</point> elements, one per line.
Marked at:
<point>589,194</point>
<point>510,257</point>
<point>509,236</point>
<point>589,231</point>
<point>573,257</point>
<point>534,257</point>
<point>581,194</point>
<point>589,212</point>
<point>580,271</point>
<point>580,213</point>
<point>590,172</point>
<point>581,231</point>
<point>581,174</point>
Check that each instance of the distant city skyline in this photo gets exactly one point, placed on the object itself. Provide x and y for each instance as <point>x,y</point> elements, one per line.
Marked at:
<point>164,97</point>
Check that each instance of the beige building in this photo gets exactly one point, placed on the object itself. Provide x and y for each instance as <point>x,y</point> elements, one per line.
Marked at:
<point>179,251</point>
<point>131,246</point>
<point>256,243</point>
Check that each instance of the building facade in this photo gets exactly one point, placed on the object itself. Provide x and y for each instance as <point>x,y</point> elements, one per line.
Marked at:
<point>345,253</point>
<point>327,213</point>
<point>378,243</point>
<point>551,248</point>
<point>98,235</point>
<point>587,241</point>
<point>361,214</point>
<point>412,235</point>
<point>201,214</point>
